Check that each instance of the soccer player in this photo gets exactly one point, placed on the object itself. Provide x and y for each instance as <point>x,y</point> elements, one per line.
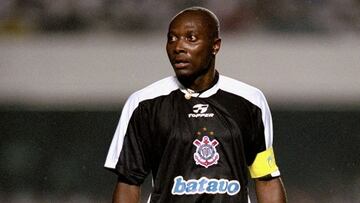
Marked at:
<point>200,134</point>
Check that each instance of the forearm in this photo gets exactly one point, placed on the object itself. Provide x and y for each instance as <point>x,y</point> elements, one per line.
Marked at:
<point>270,191</point>
<point>125,193</point>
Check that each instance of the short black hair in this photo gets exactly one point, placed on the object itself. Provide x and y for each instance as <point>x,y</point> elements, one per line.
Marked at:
<point>213,19</point>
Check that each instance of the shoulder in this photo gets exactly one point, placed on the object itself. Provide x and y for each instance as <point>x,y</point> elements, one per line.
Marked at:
<point>250,93</point>
<point>159,88</point>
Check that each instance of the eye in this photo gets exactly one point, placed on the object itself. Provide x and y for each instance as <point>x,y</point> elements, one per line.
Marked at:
<point>192,38</point>
<point>172,38</point>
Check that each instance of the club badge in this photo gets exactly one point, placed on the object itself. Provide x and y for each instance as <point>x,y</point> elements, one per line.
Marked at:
<point>205,154</point>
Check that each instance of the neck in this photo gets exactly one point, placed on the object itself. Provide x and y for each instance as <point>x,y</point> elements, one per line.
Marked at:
<point>203,82</point>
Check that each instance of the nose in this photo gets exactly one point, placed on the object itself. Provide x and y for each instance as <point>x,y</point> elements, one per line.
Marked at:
<point>180,46</point>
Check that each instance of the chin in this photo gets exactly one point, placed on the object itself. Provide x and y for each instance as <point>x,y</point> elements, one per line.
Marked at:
<point>183,73</point>
<point>186,78</point>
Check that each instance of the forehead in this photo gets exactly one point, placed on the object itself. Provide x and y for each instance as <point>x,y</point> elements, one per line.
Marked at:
<point>190,21</point>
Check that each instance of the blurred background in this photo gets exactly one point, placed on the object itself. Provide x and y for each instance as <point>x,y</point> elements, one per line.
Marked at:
<point>67,67</point>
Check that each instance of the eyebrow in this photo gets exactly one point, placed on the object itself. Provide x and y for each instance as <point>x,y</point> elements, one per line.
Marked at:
<point>188,30</point>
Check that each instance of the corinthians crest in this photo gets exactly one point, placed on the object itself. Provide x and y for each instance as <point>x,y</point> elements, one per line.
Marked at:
<point>205,154</point>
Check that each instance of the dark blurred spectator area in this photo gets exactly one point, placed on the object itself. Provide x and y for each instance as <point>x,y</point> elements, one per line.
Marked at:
<point>310,16</point>
<point>57,156</point>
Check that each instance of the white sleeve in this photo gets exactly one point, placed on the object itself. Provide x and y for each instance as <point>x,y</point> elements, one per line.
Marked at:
<point>118,139</point>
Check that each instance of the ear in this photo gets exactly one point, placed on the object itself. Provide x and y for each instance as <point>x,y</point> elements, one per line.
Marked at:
<point>216,46</point>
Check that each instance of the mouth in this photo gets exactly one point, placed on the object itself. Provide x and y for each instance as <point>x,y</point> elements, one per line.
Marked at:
<point>181,63</point>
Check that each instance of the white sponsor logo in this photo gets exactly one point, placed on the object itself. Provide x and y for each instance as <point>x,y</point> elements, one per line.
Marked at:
<point>200,111</point>
<point>205,185</point>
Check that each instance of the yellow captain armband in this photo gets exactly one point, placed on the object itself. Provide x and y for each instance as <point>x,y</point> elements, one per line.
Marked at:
<point>264,164</point>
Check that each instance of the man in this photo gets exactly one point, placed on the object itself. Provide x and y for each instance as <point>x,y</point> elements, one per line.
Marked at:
<point>198,133</point>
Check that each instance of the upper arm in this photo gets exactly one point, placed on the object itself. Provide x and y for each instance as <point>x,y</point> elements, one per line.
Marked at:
<point>262,160</point>
<point>128,155</point>
<point>126,193</point>
<point>121,129</point>
<point>270,191</point>
<point>268,184</point>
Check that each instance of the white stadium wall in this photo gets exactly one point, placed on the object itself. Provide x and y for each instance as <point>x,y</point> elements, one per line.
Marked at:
<point>99,70</point>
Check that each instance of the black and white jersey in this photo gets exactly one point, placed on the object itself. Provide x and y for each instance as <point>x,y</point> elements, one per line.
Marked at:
<point>199,147</point>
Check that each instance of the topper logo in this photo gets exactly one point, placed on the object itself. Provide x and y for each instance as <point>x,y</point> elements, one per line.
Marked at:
<point>200,111</point>
<point>200,108</point>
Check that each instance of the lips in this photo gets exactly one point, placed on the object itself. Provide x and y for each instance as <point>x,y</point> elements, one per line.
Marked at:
<point>180,63</point>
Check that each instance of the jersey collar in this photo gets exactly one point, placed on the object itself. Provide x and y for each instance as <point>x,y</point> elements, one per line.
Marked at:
<point>188,93</point>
